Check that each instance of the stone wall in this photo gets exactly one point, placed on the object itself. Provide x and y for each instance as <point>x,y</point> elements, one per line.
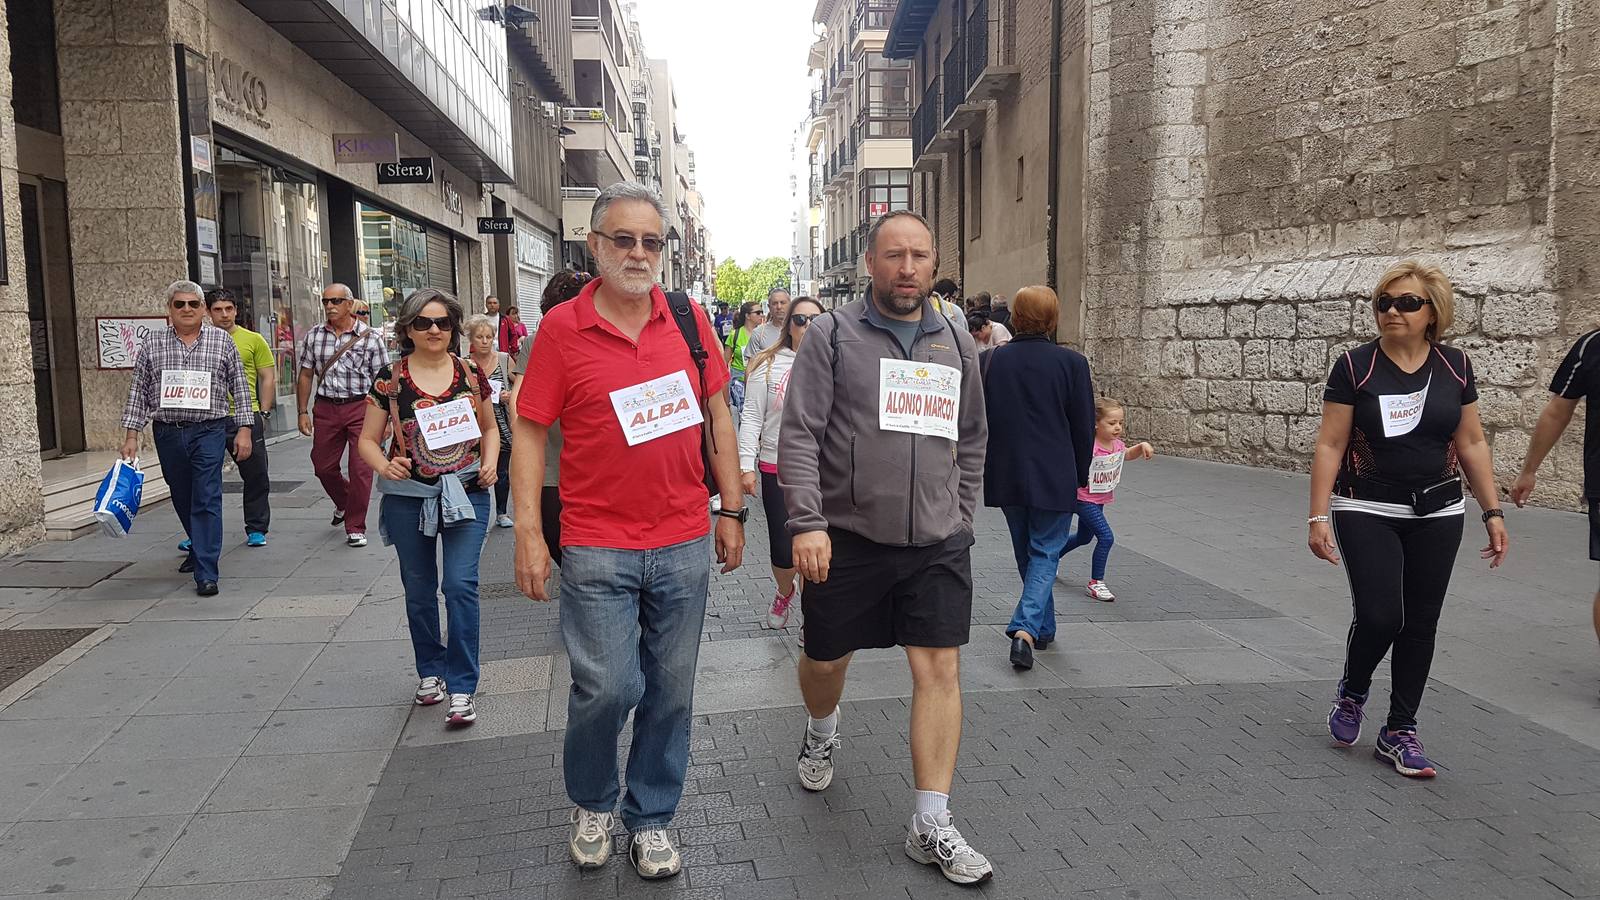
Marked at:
<point>21,508</point>
<point>1254,165</point>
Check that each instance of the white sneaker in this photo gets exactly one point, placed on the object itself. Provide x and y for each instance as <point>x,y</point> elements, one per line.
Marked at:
<point>934,841</point>
<point>816,758</point>
<point>430,691</point>
<point>463,711</point>
<point>653,854</point>
<point>356,540</point>
<point>590,842</point>
<point>1099,591</point>
<point>778,614</point>
<point>505,522</point>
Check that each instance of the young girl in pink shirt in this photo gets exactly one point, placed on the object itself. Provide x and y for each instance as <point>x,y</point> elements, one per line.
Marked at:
<point>1104,473</point>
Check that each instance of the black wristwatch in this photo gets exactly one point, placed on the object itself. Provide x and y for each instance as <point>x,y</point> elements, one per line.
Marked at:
<point>1492,514</point>
<point>742,514</point>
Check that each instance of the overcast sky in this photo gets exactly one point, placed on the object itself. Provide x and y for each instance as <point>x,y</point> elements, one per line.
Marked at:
<point>739,68</point>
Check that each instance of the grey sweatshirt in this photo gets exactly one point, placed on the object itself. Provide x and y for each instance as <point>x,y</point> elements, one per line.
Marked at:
<point>839,469</point>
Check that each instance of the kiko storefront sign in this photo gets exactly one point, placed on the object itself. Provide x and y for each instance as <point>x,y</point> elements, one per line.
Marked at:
<point>239,92</point>
<point>366,147</point>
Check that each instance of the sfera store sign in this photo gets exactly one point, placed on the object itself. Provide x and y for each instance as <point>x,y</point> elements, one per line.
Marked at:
<point>239,92</point>
<point>409,170</point>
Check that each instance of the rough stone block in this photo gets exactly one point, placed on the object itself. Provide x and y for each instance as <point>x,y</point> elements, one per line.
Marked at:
<point>1298,359</point>
<point>1210,430</point>
<point>1303,433</point>
<point>1500,407</point>
<point>1246,431</point>
<point>1256,358</point>
<point>1502,362</point>
<point>1276,320</point>
<point>1329,318</point>
<point>90,126</point>
<point>1520,315</point>
<point>1276,430</point>
<point>1281,396</point>
<point>1203,322</point>
<point>1241,320</point>
<point>1193,394</point>
<point>1158,323</point>
<point>1492,35</point>
<point>1219,359</point>
<point>1229,395</point>
<point>149,127</point>
<point>117,73</point>
<point>1177,358</point>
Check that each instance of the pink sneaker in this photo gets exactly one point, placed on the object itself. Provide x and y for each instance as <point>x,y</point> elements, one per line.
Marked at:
<point>778,615</point>
<point>1099,591</point>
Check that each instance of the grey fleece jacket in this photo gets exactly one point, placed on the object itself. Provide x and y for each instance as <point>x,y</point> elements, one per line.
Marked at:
<point>839,470</point>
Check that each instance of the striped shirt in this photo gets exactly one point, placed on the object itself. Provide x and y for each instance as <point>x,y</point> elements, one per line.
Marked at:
<point>214,352</point>
<point>352,375</point>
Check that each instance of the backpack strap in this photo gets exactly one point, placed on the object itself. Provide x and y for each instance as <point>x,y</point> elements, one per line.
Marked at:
<point>683,313</point>
<point>397,447</point>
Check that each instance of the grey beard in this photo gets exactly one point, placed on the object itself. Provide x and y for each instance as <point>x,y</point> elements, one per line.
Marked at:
<point>899,305</point>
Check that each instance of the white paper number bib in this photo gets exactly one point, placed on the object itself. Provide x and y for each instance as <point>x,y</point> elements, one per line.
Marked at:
<point>185,389</point>
<point>1105,472</point>
<point>448,424</point>
<point>1402,412</point>
<point>919,398</point>
<point>656,408</point>
<point>495,387</point>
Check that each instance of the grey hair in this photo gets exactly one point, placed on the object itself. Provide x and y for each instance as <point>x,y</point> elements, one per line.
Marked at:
<point>474,323</point>
<point>872,233</point>
<point>777,290</point>
<point>412,307</point>
<point>341,288</point>
<point>625,190</point>
<point>184,287</point>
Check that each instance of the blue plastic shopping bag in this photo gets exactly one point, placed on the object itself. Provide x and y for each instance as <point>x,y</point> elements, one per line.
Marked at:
<point>117,500</point>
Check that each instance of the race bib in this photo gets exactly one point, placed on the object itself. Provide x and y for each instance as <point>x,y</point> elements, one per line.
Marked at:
<point>1402,412</point>
<point>1105,472</point>
<point>448,424</point>
<point>919,398</point>
<point>495,387</point>
<point>185,389</point>
<point>656,408</point>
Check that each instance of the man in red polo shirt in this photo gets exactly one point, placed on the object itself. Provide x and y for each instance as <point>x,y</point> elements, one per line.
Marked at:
<point>614,368</point>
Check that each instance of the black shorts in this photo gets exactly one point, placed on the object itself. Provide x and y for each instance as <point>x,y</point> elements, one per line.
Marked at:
<point>1594,528</point>
<point>882,596</point>
<point>779,543</point>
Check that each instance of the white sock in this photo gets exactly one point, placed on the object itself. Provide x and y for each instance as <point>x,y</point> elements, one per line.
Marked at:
<point>934,804</point>
<point>825,727</point>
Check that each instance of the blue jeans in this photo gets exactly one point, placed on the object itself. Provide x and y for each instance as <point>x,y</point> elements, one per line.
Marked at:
<point>1038,538</point>
<point>631,621</point>
<point>736,392</point>
<point>1094,516</point>
<point>457,661</point>
<point>191,463</point>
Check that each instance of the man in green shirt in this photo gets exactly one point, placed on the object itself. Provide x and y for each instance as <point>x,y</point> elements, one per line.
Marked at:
<point>261,370</point>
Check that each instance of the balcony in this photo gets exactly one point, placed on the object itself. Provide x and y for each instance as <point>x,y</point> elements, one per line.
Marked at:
<point>595,154</point>
<point>814,195</point>
<point>546,45</point>
<point>990,42</point>
<point>871,15</point>
<point>931,138</point>
<point>844,166</point>
<point>882,121</point>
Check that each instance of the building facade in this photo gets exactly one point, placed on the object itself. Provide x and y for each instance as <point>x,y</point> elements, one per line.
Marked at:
<point>859,134</point>
<point>1221,186</point>
<point>273,149</point>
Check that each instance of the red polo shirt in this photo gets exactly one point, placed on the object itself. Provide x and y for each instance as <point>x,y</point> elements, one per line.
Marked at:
<point>612,495</point>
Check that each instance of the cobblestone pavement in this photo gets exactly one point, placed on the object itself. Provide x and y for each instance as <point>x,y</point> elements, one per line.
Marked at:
<point>1187,792</point>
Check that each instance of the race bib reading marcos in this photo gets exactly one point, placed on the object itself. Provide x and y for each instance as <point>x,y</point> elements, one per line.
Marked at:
<point>448,424</point>
<point>919,398</point>
<point>656,408</point>
<point>1402,412</point>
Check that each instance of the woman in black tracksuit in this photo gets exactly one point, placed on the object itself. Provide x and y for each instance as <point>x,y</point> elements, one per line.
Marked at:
<point>1399,427</point>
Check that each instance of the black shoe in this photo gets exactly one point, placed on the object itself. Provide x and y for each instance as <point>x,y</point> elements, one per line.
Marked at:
<point>338,517</point>
<point>186,566</point>
<point>1043,643</point>
<point>1021,653</point>
<point>206,589</point>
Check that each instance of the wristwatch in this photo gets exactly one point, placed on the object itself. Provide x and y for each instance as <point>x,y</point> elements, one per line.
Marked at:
<point>1492,514</point>
<point>742,514</point>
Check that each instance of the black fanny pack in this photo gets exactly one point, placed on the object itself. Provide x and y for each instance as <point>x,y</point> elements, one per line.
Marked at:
<point>1424,500</point>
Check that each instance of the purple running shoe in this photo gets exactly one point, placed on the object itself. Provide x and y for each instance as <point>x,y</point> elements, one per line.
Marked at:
<point>1344,720</point>
<point>1404,751</point>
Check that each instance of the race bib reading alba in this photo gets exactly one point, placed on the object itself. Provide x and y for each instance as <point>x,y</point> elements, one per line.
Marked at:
<point>656,408</point>
<point>919,398</point>
<point>448,424</point>
<point>1402,412</point>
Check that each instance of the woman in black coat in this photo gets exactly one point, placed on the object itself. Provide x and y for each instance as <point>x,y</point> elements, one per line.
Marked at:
<point>1041,440</point>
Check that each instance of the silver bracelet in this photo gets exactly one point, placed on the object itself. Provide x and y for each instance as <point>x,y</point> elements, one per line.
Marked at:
<point>1315,519</point>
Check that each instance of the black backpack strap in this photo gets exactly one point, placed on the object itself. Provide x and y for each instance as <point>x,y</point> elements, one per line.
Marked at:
<point>683,313</point>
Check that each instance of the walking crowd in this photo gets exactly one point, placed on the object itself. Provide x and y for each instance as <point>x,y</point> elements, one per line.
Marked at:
<point>870,434</point>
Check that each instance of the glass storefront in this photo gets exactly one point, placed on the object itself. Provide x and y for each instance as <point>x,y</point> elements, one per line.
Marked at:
<point>394,262</point>
<point>273,244</point>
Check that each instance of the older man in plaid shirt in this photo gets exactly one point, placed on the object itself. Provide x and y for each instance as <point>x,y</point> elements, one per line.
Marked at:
<point>184,379</point>
<point>342,357</point>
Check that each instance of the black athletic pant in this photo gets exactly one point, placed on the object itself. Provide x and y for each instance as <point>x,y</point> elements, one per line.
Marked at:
<point>1399,571</point>
<point>502,486</point>
<point>253,471</point>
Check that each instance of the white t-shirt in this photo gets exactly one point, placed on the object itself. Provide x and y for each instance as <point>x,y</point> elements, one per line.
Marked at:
<point>763,411</point>
<point>998,334</point>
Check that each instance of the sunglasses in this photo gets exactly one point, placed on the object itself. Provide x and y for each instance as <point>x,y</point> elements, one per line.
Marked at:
<point>188,304</point>
<point>334,301</point>
<point>428,323</point>
<point>802,319</point>
<point>1406,303</point>
<point>628,241</point>
<point>363,313</point>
